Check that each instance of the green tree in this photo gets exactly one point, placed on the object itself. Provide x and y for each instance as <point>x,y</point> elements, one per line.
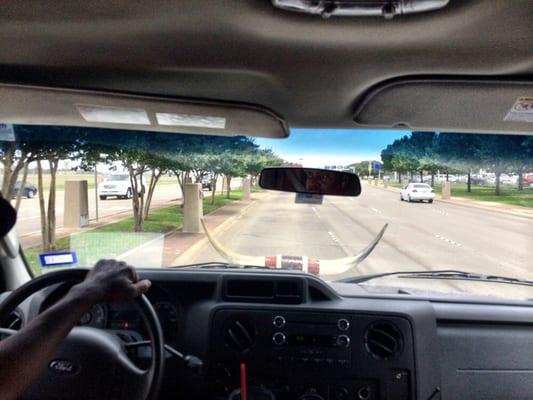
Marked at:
<point>257,160</point>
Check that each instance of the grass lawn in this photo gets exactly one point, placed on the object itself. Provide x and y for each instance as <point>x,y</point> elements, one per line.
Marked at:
<point>118,237</point>
<point>509,195</point>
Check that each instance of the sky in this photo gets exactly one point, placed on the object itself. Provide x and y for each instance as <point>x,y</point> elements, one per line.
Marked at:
<point>324,147</point>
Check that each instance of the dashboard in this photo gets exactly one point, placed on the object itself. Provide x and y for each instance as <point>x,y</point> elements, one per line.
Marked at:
<point>295,336</point>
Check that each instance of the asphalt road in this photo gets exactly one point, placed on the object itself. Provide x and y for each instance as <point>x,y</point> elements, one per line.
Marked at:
<point>420,236</point>
<point>29,223</point>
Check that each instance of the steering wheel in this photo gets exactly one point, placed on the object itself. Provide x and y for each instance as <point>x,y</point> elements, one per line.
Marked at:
<point>91,363</point>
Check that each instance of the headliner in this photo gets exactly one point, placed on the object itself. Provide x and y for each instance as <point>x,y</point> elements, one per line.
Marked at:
<point>309,71</point>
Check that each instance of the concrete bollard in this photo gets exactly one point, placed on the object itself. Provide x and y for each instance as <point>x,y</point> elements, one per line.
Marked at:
<point>76,207</point>
<point>446,190</point>
<point>246,189</point>
<point>375,181</point>
<point>385,183</point>
<point>193,207</point>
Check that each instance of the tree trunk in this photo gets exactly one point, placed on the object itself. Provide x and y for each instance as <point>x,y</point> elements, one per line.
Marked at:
<point>469,181</point>
<point>11,172</point>
<point>228,186</point>
<point>14,176</point>
<point>151,188</point>
<point>214,188</point>
<point>399,177</point>
<point>179,177</point>
<point>447,177</point>
<point>8,163</point>
<point>521,180</point>
<point>22,184</point>
<point>137,198</point>
<point>498,191</point>
<point>54,163</point>
<point>44,227</point>
<point>421,176</point>
<point>433,179</point>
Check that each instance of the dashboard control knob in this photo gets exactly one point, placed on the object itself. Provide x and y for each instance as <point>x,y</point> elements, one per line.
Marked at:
<point>279,321</point>
<point>343,324</point>
<point>343,341</point>
<point>279,338</point>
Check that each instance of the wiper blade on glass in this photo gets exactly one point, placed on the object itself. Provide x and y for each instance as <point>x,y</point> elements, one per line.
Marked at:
<point>444,274</point>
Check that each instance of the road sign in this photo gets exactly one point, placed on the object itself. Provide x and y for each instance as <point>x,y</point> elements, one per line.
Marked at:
<point>376,165</point>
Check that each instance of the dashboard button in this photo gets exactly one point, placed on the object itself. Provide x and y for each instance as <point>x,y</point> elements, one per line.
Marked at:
<point>279,338</point>
<point>343,324</point>
<point>279,321</point>
<point>343,341</point>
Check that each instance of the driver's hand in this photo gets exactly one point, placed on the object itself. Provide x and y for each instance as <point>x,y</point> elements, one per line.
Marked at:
<point>112,280</point>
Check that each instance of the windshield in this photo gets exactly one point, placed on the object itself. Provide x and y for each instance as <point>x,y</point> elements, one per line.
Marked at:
<point>475,217</point>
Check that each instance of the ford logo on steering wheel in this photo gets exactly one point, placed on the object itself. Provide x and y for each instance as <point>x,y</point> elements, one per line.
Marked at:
<point>63,367</point>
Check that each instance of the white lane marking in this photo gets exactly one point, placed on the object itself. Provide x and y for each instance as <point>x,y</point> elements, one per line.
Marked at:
<point>316,212</point>
<point>333,237</point>
<point>445,239</point>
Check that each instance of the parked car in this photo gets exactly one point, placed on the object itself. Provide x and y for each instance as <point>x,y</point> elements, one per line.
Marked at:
<point>28,191</point>
<point>117,185</point>
<point>417,192</point>
<point>207,183</point>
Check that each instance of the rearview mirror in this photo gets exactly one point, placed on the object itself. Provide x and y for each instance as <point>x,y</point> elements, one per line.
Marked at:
<point>310,180</point>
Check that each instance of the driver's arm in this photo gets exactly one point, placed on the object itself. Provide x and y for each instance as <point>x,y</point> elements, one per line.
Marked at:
<point>24,356</point>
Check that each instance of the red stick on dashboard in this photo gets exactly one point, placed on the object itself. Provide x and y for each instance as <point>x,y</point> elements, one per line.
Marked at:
<point>244,390</point>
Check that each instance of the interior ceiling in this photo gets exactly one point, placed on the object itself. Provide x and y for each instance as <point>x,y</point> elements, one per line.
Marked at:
<point>310,71</point>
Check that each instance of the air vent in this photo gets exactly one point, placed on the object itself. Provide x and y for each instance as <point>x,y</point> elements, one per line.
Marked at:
<point>240,334</point>
<point>14,321</point>
<point>383,340</point>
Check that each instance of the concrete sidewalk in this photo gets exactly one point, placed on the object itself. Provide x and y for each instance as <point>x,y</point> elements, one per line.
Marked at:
<point>484,205</point>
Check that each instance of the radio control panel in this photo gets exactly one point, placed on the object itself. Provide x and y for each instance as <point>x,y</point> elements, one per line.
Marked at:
<point>353,356</point>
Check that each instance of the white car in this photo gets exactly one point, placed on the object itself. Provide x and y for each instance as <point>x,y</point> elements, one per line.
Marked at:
<point>417,192</point>
<point>118,185</point>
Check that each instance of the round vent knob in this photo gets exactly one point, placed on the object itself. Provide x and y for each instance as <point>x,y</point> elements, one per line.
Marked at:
<point>383,340</point>
<point>240,334</point>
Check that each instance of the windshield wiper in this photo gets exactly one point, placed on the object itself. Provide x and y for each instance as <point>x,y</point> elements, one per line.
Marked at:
<point>443,274</point>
